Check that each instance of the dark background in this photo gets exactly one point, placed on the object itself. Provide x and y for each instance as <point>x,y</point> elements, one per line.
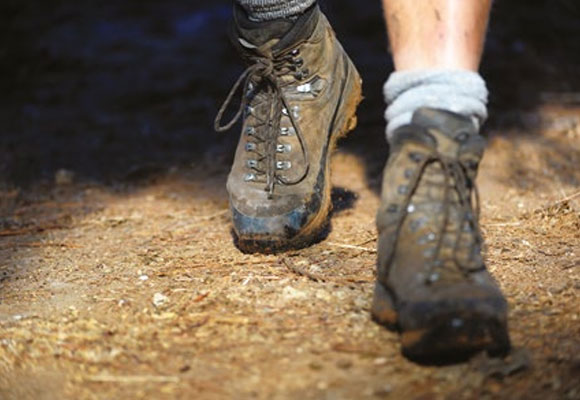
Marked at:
<point>108,89</point>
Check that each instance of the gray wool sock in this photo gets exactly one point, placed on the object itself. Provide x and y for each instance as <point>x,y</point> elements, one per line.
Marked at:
<point>267,10</point>
<point>460,91</point>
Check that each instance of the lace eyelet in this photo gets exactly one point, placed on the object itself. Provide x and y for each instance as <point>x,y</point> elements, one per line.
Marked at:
<point>426,239</point>
<point>416,224</point>
<point>250,146</point>
<point>428,253</point>
<point>250,177</point>
<point>416,157</point>
<point>472,165</point>
<point>252,163</point>
<point>462,137</point>
<point>303,74</point>
<point>434,277</point>
<point>295,111</point>
<point>295,52</point>
<point>283,165</point>
<point>283,148</point>
<point>250,131</point>
<point>286,131</point>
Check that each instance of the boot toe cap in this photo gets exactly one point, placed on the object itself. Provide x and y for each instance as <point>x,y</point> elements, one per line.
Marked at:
<point>454,326</point>
<point>277,227</point>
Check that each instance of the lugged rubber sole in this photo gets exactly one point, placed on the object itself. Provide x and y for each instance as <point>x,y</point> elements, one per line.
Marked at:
<point>450,337</point>
<point>318,226</point>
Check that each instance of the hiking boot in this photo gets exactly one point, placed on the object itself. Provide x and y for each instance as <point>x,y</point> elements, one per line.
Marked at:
<point>300,92</point>
<point>432,283</point>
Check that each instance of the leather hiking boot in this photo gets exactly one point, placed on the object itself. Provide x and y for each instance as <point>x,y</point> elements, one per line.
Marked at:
<point>432,283</point>
<point>299,96</point>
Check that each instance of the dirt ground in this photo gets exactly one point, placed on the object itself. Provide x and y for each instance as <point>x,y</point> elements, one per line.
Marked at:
<point>118,275</point>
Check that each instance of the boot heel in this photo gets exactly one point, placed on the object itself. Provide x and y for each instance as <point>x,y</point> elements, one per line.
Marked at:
<point>347,119</point>
<point>383,309</point>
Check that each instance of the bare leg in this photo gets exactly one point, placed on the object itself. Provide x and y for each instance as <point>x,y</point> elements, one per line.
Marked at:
<point>437,46</point>
<point>447,34</point>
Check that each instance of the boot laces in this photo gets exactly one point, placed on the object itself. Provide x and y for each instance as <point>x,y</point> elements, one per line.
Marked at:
<point>268,70</point>
<point>456,179</point>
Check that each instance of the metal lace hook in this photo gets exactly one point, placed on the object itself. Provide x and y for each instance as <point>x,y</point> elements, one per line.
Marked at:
<point>413,184</point>
<point>303,146</point>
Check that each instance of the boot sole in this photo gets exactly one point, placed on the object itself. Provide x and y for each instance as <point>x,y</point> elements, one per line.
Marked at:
<point>442,341</point>
<point>319,225</point>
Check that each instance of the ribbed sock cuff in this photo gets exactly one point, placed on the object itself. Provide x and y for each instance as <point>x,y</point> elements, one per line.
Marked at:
<point>267,10</point>
<point>460,91</point>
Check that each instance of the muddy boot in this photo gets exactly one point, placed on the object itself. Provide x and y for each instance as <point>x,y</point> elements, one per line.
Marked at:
<point>300,92</point>
<point>432,283</point>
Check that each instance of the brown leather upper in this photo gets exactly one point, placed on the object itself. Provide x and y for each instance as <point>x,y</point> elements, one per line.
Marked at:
<point>288,120</point>
<point>429,238</point>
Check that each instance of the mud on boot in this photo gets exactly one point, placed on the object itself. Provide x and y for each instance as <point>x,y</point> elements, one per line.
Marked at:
<point>299,96</point>
<point>432,283</point>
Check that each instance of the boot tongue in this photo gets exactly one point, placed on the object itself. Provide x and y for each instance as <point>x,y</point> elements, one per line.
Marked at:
<point>451,124</point>
<point>259,33</point>
<point>282,33</point>
<point>454,133</point>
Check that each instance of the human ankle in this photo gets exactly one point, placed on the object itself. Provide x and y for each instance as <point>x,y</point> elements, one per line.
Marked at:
<point>268,10</point>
